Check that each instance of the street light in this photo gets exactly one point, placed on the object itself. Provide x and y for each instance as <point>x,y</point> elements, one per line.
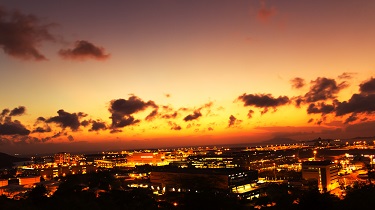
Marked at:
<point>315,154</point>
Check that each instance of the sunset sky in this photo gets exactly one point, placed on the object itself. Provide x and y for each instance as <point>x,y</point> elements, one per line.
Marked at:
<point>104,75</point>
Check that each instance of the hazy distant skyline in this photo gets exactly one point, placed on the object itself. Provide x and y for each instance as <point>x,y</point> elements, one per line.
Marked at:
<point>157,73</point>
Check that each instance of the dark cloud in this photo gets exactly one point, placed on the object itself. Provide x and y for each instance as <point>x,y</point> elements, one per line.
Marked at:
<point>233,121</point>
<point>358,103</point>
<point>130,106</point>
<point>84,50</point>
<point>167,108</point>
<point>320,108</point>
<point>197,112</point>
<point>122,110</point>
<point>298,100</point>
<point>152,115</point>
<point>207,105</point>
<point>168,113</point>
<point>250,114</point>
<point>298,83</point>
<point>41,126</point>
<point>66,119</point>
<point>184,109</point>
<point>264,13</point>
<point>124,121</point>
<point>264,111</point>
<point>351,118</point>
<point>98,125</point>
<point>174,126</point>
<point>5,112</point>
<point>193,116</point>
<point>210,129</point>
<point>56,135</point>
<point>85,123</point>
<point>39,129</point>
<point>41,119</point>
<point>21,35</point>
<point>70,138</point>
<point>22,140</point>
<point>368,87</point>
<point>263,100</point>
<point>323,89</point>
<point>310,120</point>
<point>15,127</point>
<point>81,114</point>
<point>18,111</point>
<point>116,131</point>
<point>170,116</point>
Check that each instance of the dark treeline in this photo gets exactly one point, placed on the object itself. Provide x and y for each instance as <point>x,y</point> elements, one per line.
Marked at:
<point>280,197</point>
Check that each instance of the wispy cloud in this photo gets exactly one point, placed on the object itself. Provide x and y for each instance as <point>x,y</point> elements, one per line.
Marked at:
<point>265,13</point>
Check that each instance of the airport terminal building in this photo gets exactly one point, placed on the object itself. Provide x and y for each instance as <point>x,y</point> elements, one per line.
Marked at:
<point>236,181</point>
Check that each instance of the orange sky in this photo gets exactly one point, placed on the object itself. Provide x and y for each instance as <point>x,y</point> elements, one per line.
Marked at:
<point>158,73</point>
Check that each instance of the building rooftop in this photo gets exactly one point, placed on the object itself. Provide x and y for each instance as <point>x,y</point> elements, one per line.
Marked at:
<point>219,171</point>
<point>318,163</point>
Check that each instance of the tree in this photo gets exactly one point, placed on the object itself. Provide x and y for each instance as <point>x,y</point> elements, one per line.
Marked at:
<point>38,193</point>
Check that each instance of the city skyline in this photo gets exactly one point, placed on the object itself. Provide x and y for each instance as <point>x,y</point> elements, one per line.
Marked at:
<point>93,75</point>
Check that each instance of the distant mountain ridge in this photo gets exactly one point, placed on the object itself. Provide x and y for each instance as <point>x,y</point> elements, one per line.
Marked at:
<point>280,141</point>
<point>364,137</point>
<point>8,160</point>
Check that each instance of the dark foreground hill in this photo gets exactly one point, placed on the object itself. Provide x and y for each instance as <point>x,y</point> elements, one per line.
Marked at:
<point>8,160</point>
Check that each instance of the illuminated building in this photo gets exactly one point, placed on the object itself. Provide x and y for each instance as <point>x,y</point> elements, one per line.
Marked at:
<point>29,181</point>
<point>146,158</point>
<point>3,183</point>
<point>325,172</point>
<point>105,163</point>
<point>219,161</point>
<point>49,173</point>
<point>239,182</point>
<point>14,186</point>
<point>62,158</point>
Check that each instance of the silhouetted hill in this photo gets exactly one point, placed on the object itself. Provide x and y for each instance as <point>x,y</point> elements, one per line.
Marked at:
<point>8,160</point>
<point>364,138</point>
<point>280,141</point>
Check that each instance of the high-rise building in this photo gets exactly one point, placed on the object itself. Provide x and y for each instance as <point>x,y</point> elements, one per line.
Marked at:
<point>325,172</point>
<point>62,158</point>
